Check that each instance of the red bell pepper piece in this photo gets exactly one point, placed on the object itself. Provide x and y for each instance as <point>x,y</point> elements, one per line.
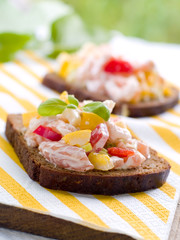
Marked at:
<point>115,66</point>
<point>120,152</point>
<point>48,133</point>
<point>99,137</point>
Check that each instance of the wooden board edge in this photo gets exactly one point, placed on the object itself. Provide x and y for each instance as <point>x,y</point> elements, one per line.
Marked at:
<point>44,225</point>
<point>175,229</point>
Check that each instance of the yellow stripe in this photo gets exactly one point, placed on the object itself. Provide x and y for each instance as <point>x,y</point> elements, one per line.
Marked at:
<point>27,69</point>
<point>172,111</point>
<point>69,200</point>
<point>42,97</point>
<point>174,166</point>
<point>153,205</point>
<point>168,136</point>
<point>26,104</point>
<point>9,150</point>
<point>126,214</point>
<point>166,122</point>
<point>166,188</point>
<point>40,60</point>
<point>74,204</point>
<point>3,114</point>
<point>169,190</point>
<point>18,192</point>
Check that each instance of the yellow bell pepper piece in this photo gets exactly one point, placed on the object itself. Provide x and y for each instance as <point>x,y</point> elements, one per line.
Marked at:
<point>64,69</point>
<point>101,161</point>
<point>151,78</point>
<point>167,91</point>
<point>64,97</point>
<point>68,63</point>
<point>26,117</point>
<point>90,120</point>
<point>64,60</point>
<point>74,64</point>
<point>78,138</point>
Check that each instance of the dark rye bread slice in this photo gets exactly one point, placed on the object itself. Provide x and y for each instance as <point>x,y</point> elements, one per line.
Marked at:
<point>151,174</point>
<point>55,82</point>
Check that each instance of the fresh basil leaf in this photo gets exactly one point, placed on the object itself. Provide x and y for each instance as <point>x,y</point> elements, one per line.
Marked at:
<point>98,108</point>
<point>73,100</point>
<point>52,106</point>
<point>72,106</point>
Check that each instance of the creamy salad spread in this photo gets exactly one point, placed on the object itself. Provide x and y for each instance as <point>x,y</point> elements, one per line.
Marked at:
<point>98,70</point>
<point>82,136</point>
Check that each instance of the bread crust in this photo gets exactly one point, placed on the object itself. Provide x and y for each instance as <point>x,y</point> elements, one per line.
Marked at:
<point>151,174</point>
<point>142,109</point>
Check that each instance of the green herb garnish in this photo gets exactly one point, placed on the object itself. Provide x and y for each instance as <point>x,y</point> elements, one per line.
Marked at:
<point>98,108</point>
<point>72,106</point>
<point>54,106</point>
<point>73,100</point>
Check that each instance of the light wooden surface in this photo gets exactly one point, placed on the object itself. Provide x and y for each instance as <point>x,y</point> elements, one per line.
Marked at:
<point>175,230</point>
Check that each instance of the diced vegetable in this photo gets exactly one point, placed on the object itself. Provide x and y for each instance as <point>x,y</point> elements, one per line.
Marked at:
<point>101,161</point>
<point>103,151</point>
<point>115,66</point>
<point>48,133</point>
<point>64,97</point>
<point>78,138</point>
<point>87,147</point>
<point>99,137</point>
<point>120,152</point>
<point>167,91</point>
<point>26,117</point>
<point>63,72</point>
<point>67,65</point>
<point>90,120</point>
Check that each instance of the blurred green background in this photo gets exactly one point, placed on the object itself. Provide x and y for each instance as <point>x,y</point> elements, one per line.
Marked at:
<point>154,20</point>
<point>55,25</point>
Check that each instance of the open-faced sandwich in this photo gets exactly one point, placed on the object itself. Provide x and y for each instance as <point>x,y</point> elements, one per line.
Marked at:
<point>95,72</point>
<point>80,147</point>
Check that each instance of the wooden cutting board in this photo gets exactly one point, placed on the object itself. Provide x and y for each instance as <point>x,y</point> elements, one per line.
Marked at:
<point>47,226</point>
<point>175,230</point>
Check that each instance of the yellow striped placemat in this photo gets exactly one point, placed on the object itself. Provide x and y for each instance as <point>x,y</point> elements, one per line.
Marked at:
<point>146,215</point>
